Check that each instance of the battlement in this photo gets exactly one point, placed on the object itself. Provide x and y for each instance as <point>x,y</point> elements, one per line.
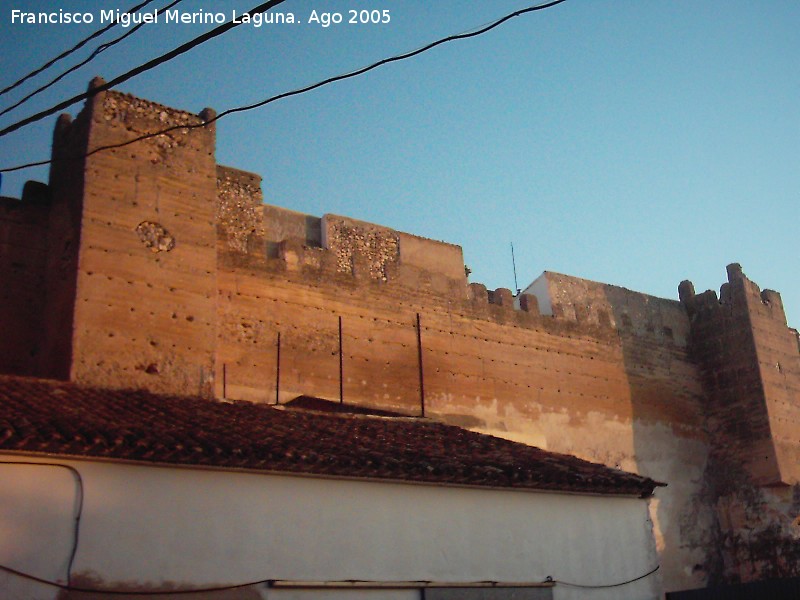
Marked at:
<point>332,250</point>
<point>591,303</point>
<point>332,247</point>
<point>751,366</point>
<point>737,292</point>
<point>138,117</point>
<point>346,251</point>
<point>240,211</point>
<point>130,280</point>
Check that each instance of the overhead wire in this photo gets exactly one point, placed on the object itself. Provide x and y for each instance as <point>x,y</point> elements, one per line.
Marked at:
<point>270,582</point>
<point>91,57</point>
<point>78,511</point>
<point>75,48</point>
<point>182,49</point>
<point>607,585</point>
<point>112,592</point>
<point>298,91</point>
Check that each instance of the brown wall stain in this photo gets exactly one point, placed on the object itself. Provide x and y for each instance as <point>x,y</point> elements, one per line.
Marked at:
<point>166,589</point>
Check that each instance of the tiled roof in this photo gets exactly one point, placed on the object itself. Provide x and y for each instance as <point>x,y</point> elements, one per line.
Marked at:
<point>42,416</point>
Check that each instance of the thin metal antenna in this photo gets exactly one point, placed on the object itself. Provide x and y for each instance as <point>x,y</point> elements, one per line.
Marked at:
<point>514,264</point>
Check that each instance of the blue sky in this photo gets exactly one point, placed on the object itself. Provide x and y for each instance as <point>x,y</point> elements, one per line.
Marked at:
<point>635,142</point>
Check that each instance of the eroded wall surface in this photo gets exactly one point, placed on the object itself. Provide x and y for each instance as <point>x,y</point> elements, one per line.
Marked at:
<point>751,370</point>
<point>146,286</point>
<point>610,375</point>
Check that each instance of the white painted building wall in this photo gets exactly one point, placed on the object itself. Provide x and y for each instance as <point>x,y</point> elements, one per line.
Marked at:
<point>146,527</point>
<point>541,289</point>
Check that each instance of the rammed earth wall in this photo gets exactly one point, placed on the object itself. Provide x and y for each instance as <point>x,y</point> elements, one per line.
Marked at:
<point>156,268</point>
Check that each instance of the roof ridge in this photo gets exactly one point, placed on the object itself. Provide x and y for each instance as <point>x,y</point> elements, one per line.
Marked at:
<point>138,425</point>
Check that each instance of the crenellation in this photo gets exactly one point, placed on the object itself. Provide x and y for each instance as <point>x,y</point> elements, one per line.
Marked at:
<point>291,252</point>
<point>774,303</point>
<point>751,373</point>
<point>529,304</point>
<point>280,224</point>
<point>240,218</point>
<point>35,192</point>
<point>734,272</point>
<point>686,291</point>
<point>362,249</point>
<point>501,297</point>
<point>478,294</point>
<point>137,114</point>
<point>707,300</point>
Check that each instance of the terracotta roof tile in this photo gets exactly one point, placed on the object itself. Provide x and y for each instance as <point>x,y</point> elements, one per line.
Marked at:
<point>42,416</point>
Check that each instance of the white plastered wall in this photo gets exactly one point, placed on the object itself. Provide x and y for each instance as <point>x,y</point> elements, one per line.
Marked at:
<point>541,289</point>
<point>146,527</point>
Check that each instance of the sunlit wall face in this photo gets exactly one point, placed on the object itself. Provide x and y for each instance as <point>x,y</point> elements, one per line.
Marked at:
<point>638,147</point>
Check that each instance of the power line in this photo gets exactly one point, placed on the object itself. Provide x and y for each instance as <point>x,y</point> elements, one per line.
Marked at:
<point>141,68</point>
<point>112,592</point>
<point>92,56</point>
<point>606,585</point>
<point>66,53</point>
<point>298,91</point>
<point>78,511</point>
<point>386,61</point>
<point>270,582</point>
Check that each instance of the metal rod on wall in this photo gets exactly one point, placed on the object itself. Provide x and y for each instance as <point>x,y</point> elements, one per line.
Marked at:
<point>514,265</point>
<point>421,376</point>
<point>341,365</point>
<point>278,370</point>
<point>224,381</point>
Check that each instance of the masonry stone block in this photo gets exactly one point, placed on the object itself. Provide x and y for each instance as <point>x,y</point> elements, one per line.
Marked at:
<point>686,291</point>
<point>479,293</point>
<point>501,297</point>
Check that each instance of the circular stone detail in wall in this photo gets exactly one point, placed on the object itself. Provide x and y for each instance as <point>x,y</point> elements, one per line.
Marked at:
<point>155,237</point>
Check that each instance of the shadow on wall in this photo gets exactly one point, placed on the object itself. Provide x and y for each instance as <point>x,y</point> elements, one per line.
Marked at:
<point>669,440</point>
<point>752,375</point>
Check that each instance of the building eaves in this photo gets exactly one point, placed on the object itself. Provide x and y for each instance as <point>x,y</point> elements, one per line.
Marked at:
<point>58,418</point>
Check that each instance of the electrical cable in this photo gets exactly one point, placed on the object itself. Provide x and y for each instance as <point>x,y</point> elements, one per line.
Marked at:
<point>113,592</point>
<point>76,532</point>
<point>78,510</point>
<point>208,590</point>
<point>182,49</point>
<point>92,56</point>
<point>298,91</point>
<point>601,586</point>
<point>75,48</point>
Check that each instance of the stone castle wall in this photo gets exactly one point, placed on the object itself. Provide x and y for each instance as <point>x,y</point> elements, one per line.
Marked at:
<point>129,280</point>
<point>163,270</point>
<point>23,256</point>
<point>751,371</point>
<point>608,378</point>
